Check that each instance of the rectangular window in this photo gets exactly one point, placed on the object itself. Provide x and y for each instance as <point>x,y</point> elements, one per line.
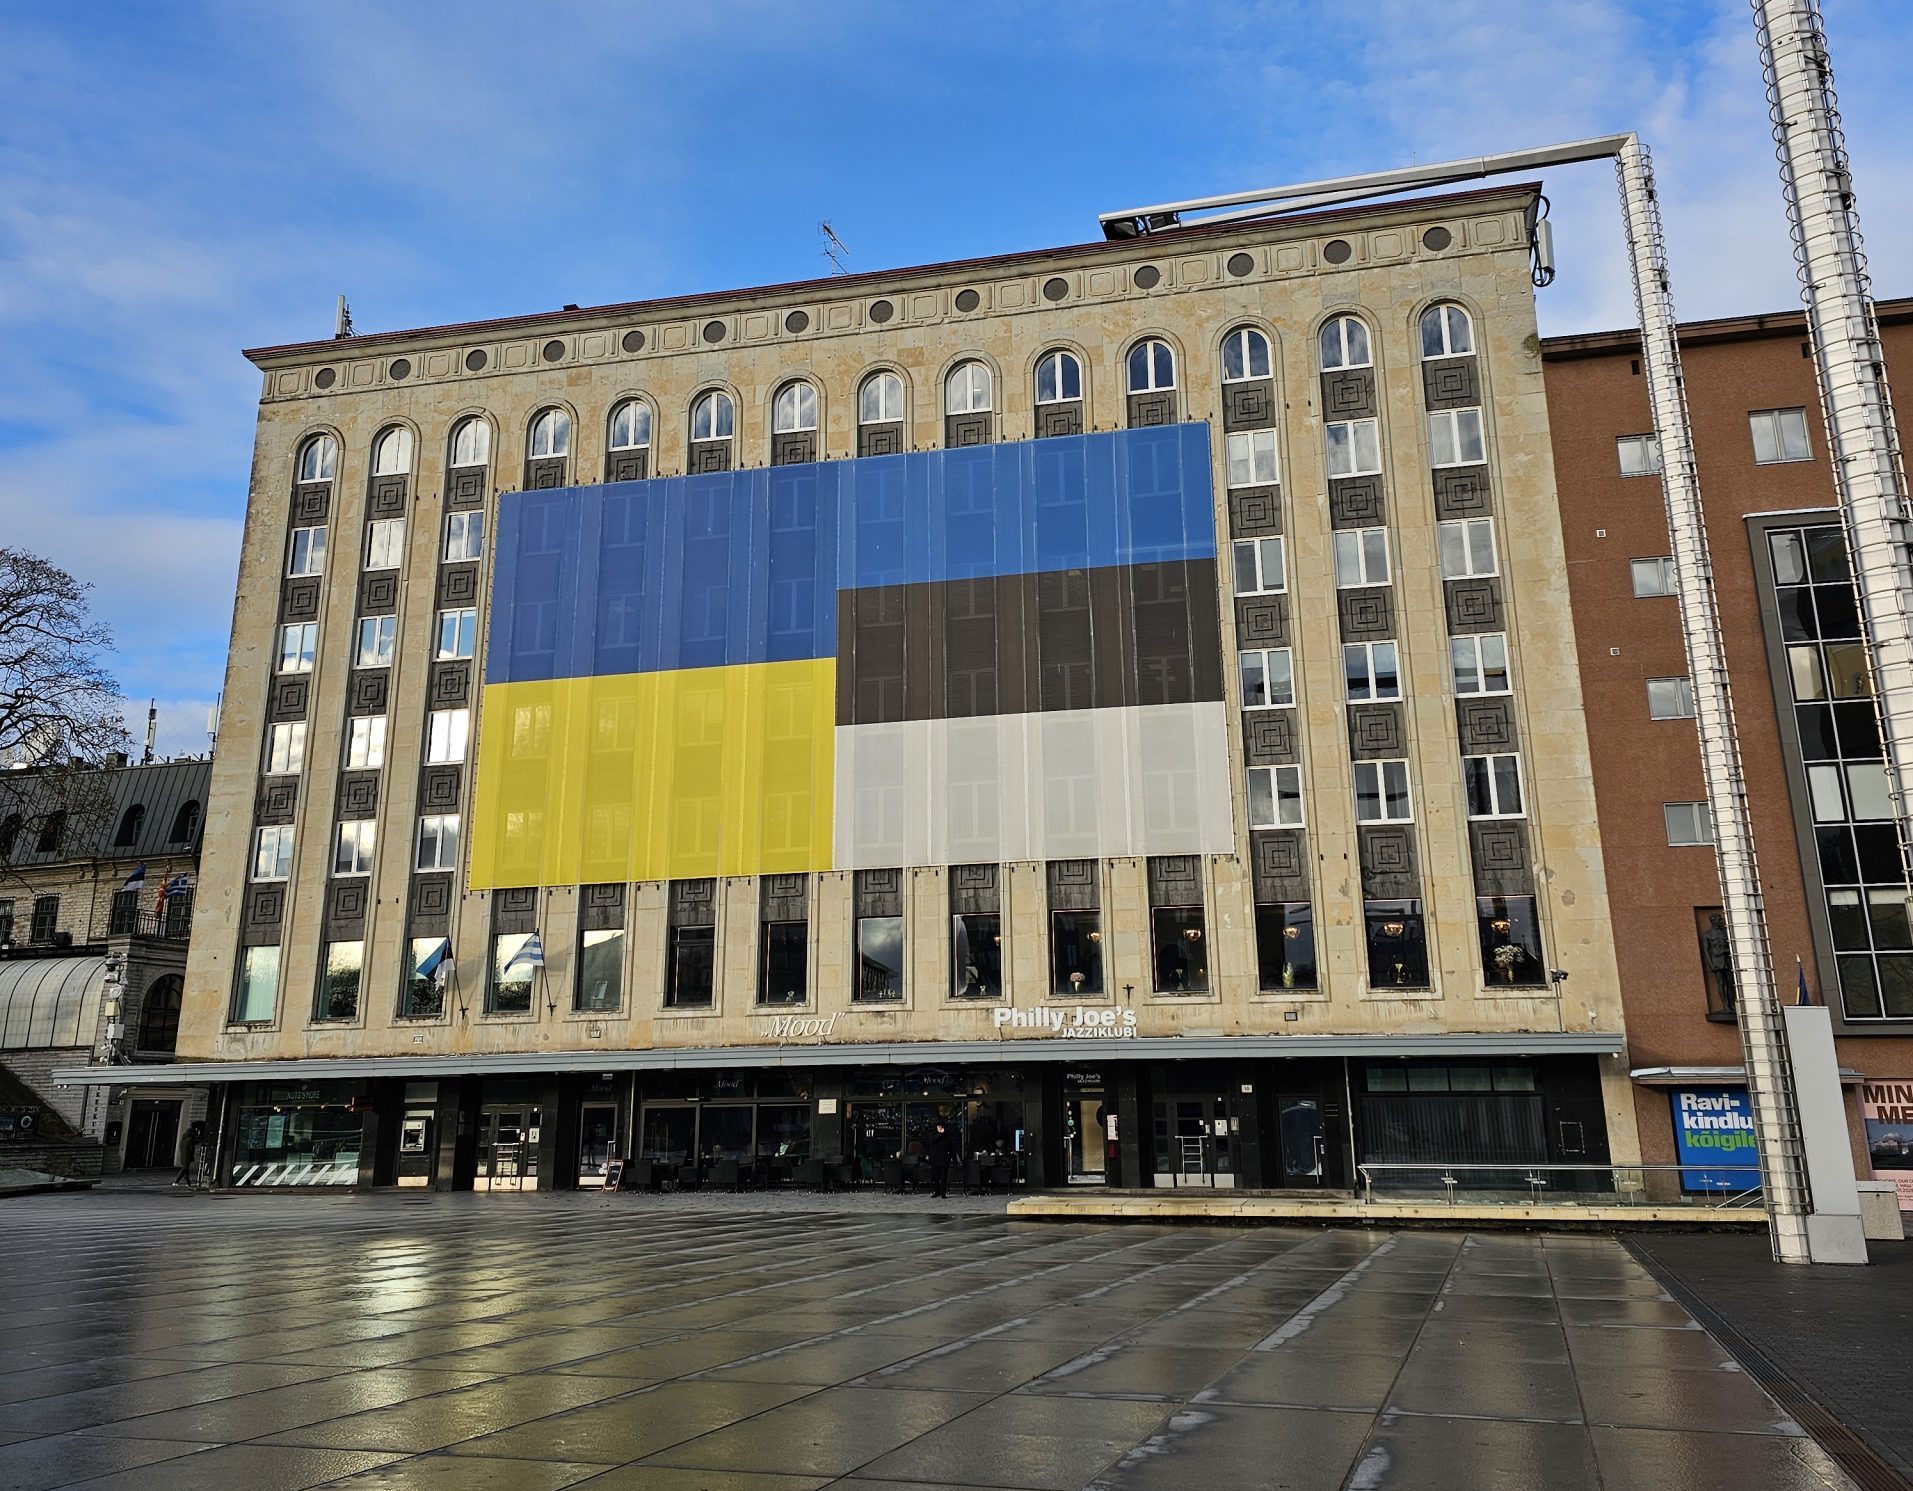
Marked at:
<point>1640,455</point>
<point>1480,663</point>
<point>508,990</point>
<point>600,983</point>
<point>286,748</point>
<point>258,992</point>
<point>448,732</point>
<point>46,919</point>
<point>1670,699</point>
<point>1252,459</point>
<point>422,990</point>
<point>692,982</point>
<point>438,842</point>
<point>353,854</point>
<point>1285,946</point>
<point>1493,785</point>
<point>365,742</point>
<point>464,536</point>
<point>272,852</point>
<point>1688,823</point>
<point>1370,671</point>
<point>1275,797</point>
<point>457,633</point>
<point>1653,576</point>
<point>879,959</point>
<point>1397,944</point>
<point>1258,566</point>
<point>6,922</point>
<point>1076,952</point>
<point>976,955</point>
<point>1510,941</point>
<point>384,543</point>
<point>1381,792</point>
<point>1454,438</point>
<point>1181,949</point>
<point>339,983</point>
<point>307,553</point>
<point>1361,557</point>
<point>1779,435</point>
<point>298,644</point>
<point>376,636</point>
<point>783,974</point>
<point>1467,548</point>
<point>1354,448</point>
<point>1267,678</point>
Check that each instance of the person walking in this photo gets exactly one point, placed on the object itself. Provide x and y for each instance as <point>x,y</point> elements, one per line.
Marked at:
<point>187,1152</point>
<point>940,1152</point>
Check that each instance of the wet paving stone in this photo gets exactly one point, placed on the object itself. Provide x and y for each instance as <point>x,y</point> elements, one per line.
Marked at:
<point>540,1342</point>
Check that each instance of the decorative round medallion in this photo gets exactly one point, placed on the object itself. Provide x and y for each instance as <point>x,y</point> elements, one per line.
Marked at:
<point>713,332</point>
<point>1241,264</point>
<point>1337,251</point>
<point>1437,238</point>
<point>474,360</point>
<point>881,311</point>
<point>325,378</point>
<point>400,368</point>
<point>968,300</point>
<point>633,341</point>
<point>797,321</point>
<point>554,350</point>
<point>1146,277</point>
<point>1055,288</point>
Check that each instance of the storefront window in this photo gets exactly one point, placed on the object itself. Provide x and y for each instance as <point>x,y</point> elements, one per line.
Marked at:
<point>879,959</point>
<point>339,988</point>
<point>1510,941</point>
<point>509,987</point>
<point>1076,952</point>
<point>1182,954</point>
<point>693,965</point>
<point>303,1137</point>
<point>600,984</point>
<point>976,956</point>
<point>783,1132</point>
<point>1285,945</point>
<point>784,969</point>
<point>1397,945</point>
<point>258,992</point>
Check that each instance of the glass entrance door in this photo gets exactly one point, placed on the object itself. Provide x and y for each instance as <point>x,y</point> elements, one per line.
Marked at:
<point>507,1148</point>
<point>1086,1134</point>
<point>597,1141</point>
<point>1194,1141</point>
<point>1300,1121</point>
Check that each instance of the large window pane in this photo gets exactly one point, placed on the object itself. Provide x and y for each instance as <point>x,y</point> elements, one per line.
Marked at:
<point>1510,940</point>
<point>976,956</point>
<point>512,975</point>
<point>1181,949</point>
<point>693,968</point>
<point>258,993</point>
<point>339,986</point>
<point>784,972</point>
<point>1076,952</point>
<point>1285,945</point>
<point>879,958</point>
<point>600,984</point>
<point>1397,944</point>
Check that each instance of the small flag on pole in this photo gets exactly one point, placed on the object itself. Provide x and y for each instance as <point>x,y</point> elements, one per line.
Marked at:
<point>531,954</point>
<point>1800,980</point>
<point>173,885</point>
<point>440,952</point>
<point>135,880</point>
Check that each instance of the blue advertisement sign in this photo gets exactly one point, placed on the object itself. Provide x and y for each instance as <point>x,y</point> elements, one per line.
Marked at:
<point>1714,1132</point>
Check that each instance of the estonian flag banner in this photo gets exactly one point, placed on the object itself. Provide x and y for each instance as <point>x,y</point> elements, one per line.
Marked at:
<point>135,880</point>
<point>428,965</point>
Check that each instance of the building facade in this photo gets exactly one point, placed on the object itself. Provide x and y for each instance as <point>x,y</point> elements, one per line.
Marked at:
<point>1117,700</point>
<point>1830,868</point>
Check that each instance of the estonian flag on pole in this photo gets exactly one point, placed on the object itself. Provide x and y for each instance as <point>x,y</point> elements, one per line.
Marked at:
<point>135,880</point>
<point>429,965</point>
<point>1800,980</point>
<point>531,953</point>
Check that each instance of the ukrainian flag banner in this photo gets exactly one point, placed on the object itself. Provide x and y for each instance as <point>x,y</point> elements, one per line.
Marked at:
<point>1003,652</point>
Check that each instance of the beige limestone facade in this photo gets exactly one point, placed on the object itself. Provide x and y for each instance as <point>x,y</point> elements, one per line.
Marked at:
<point>1191,289</point>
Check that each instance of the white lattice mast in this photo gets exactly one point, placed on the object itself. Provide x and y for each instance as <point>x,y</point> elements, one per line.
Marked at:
<point>1762,1038</point>
<point>1849,366</point>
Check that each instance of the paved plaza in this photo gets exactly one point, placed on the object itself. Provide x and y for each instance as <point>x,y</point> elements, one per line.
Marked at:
<point>522,1343</point>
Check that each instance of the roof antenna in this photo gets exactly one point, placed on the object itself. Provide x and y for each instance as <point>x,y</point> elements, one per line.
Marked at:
<point>342,321</point>
<point>835,249</point>
<point>152,728</point>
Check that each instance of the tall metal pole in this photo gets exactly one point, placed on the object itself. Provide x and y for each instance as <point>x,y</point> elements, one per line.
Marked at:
<point>1762,1036</point>
<point>1849,365</point>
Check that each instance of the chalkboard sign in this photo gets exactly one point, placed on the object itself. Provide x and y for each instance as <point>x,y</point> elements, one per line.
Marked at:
<point>613,1174</point>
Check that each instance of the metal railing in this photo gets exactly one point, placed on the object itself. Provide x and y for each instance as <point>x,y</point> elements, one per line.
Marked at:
<point>1723,1187</point>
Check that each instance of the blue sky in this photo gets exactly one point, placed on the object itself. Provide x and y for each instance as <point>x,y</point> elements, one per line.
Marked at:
<point>181,181</point>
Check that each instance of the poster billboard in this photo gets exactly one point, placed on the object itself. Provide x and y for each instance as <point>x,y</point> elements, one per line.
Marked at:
<point>1887,1107</point>
<point>1714,1132</point>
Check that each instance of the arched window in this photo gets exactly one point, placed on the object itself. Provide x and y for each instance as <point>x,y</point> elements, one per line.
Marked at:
<point>131,822</point>
<point>712,417</point>
<point>880,400</point>
<point>317,459</point>
<point>551,435</point>
<point>1152,367</point>
<point>159,1014</point>
<point>794,410</point>
<point>471,442</point>
<point>631,425</point>
<point>185,822</point>
<point>967,389</point>
<point>1245,355</point>
<point>1059,378</point>
<point>1344,343</point>
<point>51,832</point>
<point>392,452</point>
<point>1446,331</point>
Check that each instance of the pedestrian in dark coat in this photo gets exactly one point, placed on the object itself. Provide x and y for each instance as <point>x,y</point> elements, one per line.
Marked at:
<point>941,1151</point>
